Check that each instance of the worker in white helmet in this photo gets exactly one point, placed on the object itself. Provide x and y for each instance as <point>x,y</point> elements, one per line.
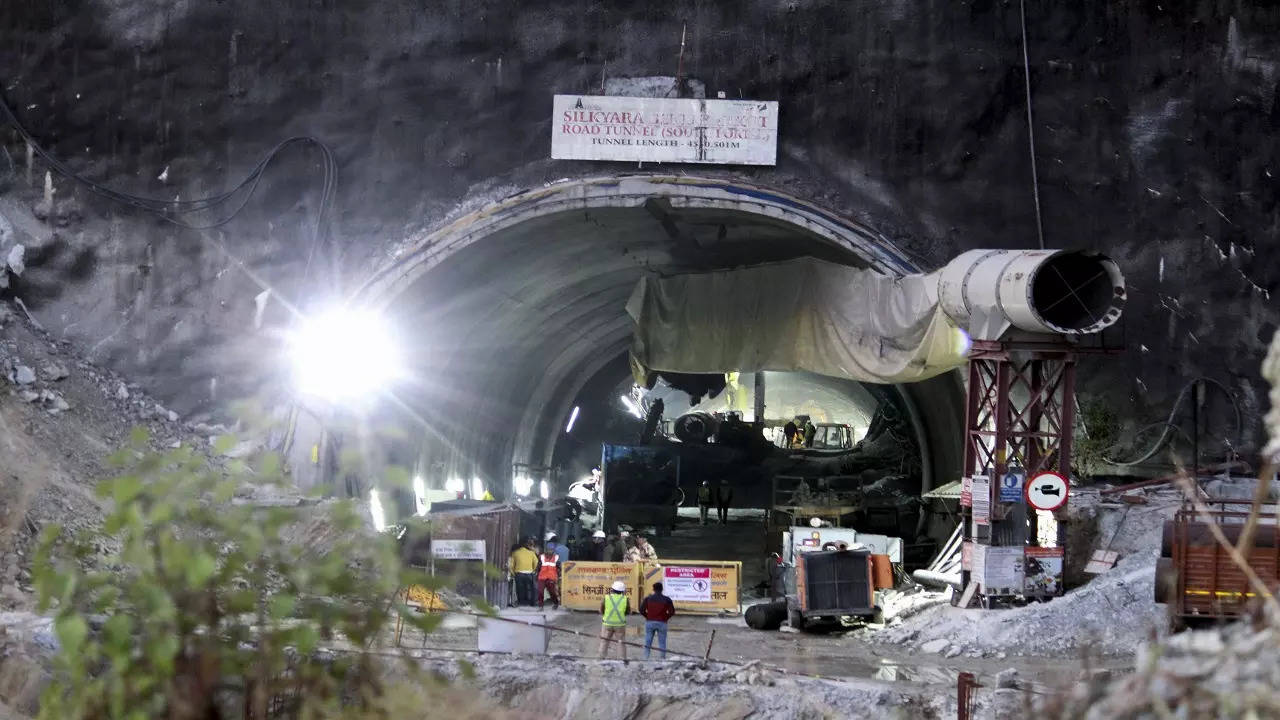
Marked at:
<point>613,615</point>
<point>597,548</point>
<point>562,553</point>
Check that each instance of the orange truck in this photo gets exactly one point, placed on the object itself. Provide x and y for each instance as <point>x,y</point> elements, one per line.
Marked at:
<point>1197,577</point>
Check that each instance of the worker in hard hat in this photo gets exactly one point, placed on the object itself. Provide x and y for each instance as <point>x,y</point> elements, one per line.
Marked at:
<point>596,550</point>
<point>704,500</point>
<point>561,549</point>
<point>549,577</point>
<point>562,552</point>
<point>613,617</point>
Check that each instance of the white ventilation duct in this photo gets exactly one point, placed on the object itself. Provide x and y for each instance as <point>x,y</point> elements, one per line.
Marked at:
<point>1039,291</point>
<point>816,316</point>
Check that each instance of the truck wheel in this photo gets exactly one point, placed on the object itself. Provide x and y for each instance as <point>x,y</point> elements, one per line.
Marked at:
<point>1166,581</point>
<point>795,619</point>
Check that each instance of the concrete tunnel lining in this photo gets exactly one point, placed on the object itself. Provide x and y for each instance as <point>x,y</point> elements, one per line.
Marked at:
<point>535,282</point>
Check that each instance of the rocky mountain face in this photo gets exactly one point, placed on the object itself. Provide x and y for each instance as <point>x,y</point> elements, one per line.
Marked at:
<point>1155,129</point>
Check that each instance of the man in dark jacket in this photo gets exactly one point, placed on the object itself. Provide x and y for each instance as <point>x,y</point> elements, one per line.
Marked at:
<point>657,609</point>
<point>597,550</point>
<point>704,500</point>
<point>616,550</point>
<point>724,498</point>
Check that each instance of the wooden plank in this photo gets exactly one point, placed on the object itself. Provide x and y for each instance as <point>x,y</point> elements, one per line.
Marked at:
<point>967,596</point>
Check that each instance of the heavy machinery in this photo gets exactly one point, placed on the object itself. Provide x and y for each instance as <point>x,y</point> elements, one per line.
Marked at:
<point>831,577</point>
<point>829,587</point>
<point>1197,577</point>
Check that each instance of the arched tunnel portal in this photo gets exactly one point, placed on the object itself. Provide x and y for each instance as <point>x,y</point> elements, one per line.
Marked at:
<point>510,312</point>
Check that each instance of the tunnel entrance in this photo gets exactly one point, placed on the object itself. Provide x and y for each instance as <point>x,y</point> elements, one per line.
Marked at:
<point>508,313</point>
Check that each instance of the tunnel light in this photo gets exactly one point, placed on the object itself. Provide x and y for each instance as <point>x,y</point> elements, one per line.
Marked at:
<point>375,509</point>
<point>343,354</point>
<point>632,407</point>
<point>573,418</point>
<point>544,490</point>
<point>477,489</point>
<point>523,485</point>
<point>455,485</point>
<point>420,494</point>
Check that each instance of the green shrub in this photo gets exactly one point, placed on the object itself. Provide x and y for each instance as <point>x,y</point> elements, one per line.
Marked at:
<point>208,610</point>
<point>1101,432</point>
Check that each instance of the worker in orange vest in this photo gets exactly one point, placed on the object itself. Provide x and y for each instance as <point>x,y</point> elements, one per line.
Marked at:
<point>549,576</point>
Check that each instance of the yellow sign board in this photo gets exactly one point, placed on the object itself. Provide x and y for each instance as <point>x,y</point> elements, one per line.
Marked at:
<point>426,599</point>
<point>583,585</point>
<point>725,577</point>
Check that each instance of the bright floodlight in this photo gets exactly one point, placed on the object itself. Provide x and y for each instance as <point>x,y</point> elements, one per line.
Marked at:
<point>523,484</point>
<point>543,490</point>
<point>632,407</point>
<point>477,489</point>
<point>455,485</point>
<point>375,509</point>
<point>573,418</point>
<point>420,494</point>
<point>343,354</point>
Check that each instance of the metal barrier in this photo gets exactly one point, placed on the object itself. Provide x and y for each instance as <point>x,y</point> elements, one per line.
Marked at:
<point>583,585</point>
<point>695,586</point>
<point>710,587</point>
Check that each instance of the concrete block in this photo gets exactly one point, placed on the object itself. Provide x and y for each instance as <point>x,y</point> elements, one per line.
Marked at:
<point>519,637</point>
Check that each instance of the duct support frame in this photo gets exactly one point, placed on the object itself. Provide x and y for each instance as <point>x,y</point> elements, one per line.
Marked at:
<point>1020,409</point>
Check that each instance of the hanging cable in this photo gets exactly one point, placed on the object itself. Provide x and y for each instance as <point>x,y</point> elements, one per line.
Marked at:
<point>174,210</point>
<point>1170,426</point>
<point>1031,131</point>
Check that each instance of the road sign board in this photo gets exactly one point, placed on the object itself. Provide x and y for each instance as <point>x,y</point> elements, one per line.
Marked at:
<point>981,485</point>
<point>683,130</point>
<point>1011,485</point>
<point>1047,491</point>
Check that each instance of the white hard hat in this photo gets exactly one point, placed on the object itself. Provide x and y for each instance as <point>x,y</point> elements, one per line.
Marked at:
<point>597,534</point>
<point>549,535</point>
<point>623,533</point>
<point>619,586</point>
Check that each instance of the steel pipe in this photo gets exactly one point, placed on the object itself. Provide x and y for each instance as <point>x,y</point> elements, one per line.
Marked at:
<point>929,577</point>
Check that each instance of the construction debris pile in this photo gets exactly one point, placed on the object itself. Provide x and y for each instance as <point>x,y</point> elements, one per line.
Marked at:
<point>60,417</point>
<point>696,691</point>
<point>1230,671</point>
<point>1111,615</point>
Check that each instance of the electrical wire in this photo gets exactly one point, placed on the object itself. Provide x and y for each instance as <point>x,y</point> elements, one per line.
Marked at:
<point>1031,130</point>
<point>1170,425</point>
<point>173,210</point>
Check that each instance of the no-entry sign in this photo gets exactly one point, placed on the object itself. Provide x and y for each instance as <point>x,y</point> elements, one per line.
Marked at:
<point>690,584</point>
<point>1047,491</point>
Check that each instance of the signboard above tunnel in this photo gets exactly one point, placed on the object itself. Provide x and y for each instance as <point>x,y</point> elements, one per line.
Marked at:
<point>674,130</point>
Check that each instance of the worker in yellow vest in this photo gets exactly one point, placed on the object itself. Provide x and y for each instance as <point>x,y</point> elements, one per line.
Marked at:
<point>613,611</point>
